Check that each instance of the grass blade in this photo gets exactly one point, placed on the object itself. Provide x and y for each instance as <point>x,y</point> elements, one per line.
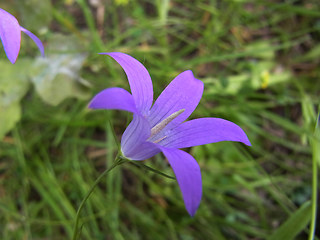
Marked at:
<point>294,225</point>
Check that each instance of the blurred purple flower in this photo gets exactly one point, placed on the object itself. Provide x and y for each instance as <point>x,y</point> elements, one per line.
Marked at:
<point>10,34</point>
<point>160,128</point>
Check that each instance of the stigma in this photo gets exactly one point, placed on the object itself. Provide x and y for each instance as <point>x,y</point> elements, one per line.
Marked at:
<point>161,125</point>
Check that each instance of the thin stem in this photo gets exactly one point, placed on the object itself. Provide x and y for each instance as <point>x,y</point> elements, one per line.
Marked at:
<point>139,165</point>
<point>118,161</point>
<point>113,133</point>
<point>314,192</point>
<point>315,158</point>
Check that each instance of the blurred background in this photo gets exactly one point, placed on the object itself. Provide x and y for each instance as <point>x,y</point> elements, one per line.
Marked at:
<point>259,61</point>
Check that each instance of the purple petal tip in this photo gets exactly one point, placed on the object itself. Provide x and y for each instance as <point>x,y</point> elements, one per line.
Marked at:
<point>10,35</point>
<point>36,40</point>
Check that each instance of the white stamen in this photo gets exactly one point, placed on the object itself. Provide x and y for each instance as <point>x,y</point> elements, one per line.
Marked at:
<point>160,139</point>
<point>161,125</point>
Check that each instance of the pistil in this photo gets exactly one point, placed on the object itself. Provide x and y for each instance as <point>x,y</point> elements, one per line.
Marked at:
<point>161,125</point>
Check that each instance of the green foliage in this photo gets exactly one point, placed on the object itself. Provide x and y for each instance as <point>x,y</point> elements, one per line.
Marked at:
<point>36,18</point>
<point>259,63</point>
<point>55,78</point>
<point>294,224</point>
<point>59,78</point>
<point>13,86</point>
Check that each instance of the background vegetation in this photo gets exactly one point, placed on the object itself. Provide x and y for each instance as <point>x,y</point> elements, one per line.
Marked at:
<point>259,63</point>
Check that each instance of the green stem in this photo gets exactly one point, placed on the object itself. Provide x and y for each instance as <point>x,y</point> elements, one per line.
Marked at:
<point>315,159</point>
<point>118,161</point>
<point>98,43</point>
<point>138,164</point>
<point>314,191</point>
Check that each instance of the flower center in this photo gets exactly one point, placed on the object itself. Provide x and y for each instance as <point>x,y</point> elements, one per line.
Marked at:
<point>161,125</point>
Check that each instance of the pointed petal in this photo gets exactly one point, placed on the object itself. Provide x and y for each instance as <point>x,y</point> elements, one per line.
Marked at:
<point>188,175</point>
<point>10,35</point>
<point>113,98</point>
<point>35,39</point>
<point>134,143</point>
<point>184,92</point>
<point>139,80</point>
<point>202,131</point>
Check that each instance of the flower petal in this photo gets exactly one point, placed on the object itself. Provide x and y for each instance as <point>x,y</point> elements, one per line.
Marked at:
<point>188,175</point>
<point>134,143</point>
<point>35,39</point>
<point>184,92</point>
<point>113,98</point>
<point>139,80</point>
<point>203,131</point>
<point>10,35</point>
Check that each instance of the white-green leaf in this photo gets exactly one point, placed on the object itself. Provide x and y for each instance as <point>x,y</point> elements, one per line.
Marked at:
<point>58,78</point>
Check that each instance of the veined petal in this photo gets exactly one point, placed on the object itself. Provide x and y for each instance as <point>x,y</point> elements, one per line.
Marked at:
<point>35,39</point>
<point>134,143</point>
<point>203,131</point>
<point>10,35</point>
<point>188,175</point>
<point>139,80</point>
<point>184,92</point>
<point>113,98</point>
<point>143,151</point>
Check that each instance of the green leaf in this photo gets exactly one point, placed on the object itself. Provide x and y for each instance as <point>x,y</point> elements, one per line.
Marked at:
<point>57,76</point>
<point>14,80</point>
<point>9,116</point>
<point>294,225</point>
<point>14,84</point>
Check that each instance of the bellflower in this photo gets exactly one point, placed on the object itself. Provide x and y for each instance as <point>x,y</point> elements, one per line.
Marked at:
<point>161,127</point>
<point>10,34</point>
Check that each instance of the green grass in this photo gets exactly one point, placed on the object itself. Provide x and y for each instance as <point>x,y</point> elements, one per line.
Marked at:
<point>259,63</point>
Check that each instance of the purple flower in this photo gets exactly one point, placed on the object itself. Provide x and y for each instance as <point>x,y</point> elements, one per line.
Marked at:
<point>161,128</point>
<point>10,34</point>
